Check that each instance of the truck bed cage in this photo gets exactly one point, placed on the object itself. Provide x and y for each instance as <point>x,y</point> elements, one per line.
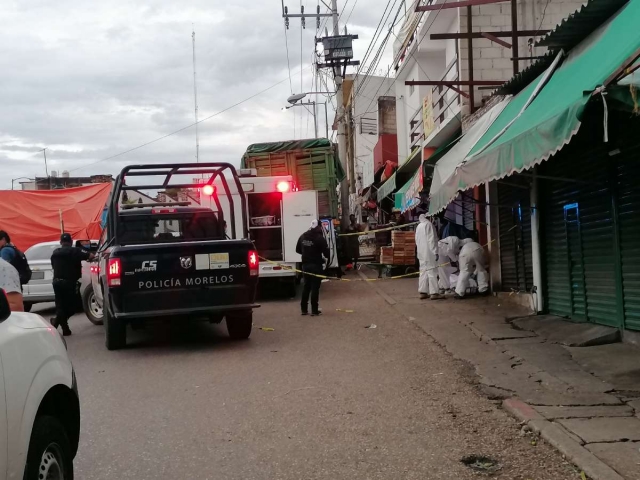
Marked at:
<point>168,170</point>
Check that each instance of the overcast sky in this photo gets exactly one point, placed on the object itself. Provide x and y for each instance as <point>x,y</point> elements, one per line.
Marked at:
<point>89,80</point>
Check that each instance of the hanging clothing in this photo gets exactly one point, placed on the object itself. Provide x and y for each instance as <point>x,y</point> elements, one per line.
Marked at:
<point>427,249</point>
<point>472,260</point>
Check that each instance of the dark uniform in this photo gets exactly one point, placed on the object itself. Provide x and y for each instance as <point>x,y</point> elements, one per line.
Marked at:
<point>67,270</point>
<point>312,246</point>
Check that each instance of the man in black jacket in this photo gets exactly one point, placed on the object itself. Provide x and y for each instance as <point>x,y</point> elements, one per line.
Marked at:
<point>312,246</point>
<point>67,270</point>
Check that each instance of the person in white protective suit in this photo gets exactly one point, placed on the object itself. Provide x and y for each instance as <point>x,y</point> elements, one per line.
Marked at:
<point>471,259</point>
<point>427,248</point>
<point>448,250</point>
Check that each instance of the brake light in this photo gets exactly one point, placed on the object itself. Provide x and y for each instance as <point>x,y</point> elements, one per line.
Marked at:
<point>283,187</point>
<point>163,210</point>
<point>114,272</point>
<point>254,263</point>
<point>209,190</point>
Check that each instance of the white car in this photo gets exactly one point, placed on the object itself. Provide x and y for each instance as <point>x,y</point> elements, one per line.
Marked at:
<point>40,288</point>
<point>39,406</point>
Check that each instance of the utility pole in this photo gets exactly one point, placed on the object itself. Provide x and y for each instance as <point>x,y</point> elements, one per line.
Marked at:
<point>338,54</point>
<point>195,92</point>
<point>342,130</point>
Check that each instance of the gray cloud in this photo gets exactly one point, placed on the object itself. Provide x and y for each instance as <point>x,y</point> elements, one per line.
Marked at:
<point>89,80</point>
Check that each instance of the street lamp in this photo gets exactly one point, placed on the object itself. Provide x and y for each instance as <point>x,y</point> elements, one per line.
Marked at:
<point>20,178</point>
<point>294,99</point>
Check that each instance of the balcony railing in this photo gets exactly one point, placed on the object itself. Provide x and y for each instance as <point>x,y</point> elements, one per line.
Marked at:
<point>445,98</point>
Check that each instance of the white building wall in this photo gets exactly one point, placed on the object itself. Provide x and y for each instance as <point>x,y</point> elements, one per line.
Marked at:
<point>365,105</point>
<point>493,61</point>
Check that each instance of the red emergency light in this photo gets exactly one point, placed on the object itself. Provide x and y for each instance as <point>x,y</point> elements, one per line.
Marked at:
<point>208,190</point>
<point>283,187</point>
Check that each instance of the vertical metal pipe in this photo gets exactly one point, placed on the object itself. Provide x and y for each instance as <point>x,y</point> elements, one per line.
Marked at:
<point>536,257</point>
<point>514,35</point>
<point>472,93</point>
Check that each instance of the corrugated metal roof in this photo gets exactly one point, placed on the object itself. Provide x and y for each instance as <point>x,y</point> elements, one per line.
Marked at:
<point>520,80</point>
<point>579,25</point>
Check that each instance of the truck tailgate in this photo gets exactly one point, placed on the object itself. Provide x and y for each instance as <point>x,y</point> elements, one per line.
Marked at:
<point>196,276</point>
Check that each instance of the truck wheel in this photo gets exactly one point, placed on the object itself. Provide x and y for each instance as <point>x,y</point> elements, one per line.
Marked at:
<point>49,453</point>
<point>239,325</point>
<point>115,331</point>
<point>91,308</point>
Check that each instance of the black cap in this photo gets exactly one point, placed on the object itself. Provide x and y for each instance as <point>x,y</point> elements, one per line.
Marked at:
<point>66,238</point>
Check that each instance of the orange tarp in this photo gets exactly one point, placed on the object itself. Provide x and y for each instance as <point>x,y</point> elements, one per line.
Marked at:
<point>31,217</point>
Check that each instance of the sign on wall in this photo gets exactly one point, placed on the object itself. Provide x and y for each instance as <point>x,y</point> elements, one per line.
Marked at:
<point>427,115</point>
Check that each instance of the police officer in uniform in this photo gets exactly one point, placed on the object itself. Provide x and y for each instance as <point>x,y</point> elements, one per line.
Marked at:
<point>312,246</point>
<point>67,270</point>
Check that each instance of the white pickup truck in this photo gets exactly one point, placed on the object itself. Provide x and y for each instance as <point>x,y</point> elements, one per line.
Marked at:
<point>39,407</point>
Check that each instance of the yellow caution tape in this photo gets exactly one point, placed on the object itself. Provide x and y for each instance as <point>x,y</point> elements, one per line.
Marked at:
<point>395,277</point>
<point>396,227</point>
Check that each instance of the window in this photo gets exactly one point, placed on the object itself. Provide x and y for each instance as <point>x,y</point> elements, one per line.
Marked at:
<point>138,229</point>
<point>40,252</point>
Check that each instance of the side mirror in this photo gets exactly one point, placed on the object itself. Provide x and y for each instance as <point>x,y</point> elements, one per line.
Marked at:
<point>5,309</point>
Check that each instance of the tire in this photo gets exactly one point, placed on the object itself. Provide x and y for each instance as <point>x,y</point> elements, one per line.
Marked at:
<point>239,325</point>
<point>115,331</point>
<point>28,307</point>
<point>91,308</point>
<point>50,454</point>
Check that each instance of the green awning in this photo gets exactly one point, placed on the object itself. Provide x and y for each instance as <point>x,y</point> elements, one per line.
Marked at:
<point>526,134</point>
<point>412,162</point>
<point>387,188</point>
<point>408,196</point>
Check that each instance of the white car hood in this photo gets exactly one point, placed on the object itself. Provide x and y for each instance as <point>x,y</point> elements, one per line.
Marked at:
<point>27,321</point>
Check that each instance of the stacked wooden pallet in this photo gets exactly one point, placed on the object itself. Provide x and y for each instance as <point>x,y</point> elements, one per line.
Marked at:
<point>402,250</point>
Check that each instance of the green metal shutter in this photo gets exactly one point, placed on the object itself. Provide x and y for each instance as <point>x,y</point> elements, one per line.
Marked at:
<point>628,192</point>
<point>580,260</point>
<point>514,218</point>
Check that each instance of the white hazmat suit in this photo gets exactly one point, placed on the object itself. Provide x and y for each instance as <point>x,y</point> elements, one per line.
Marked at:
<point>472,260</point>
<point>448,249</point>
<point>427,248</point>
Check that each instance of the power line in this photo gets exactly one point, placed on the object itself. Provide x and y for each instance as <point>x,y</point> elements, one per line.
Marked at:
<point>183,128</point>
<point>286,41</point>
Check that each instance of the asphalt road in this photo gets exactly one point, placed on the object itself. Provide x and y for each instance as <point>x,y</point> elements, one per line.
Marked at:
<point>317,398</point>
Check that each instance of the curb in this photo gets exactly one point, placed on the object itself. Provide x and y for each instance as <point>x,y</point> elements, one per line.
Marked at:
<point>561,440</point>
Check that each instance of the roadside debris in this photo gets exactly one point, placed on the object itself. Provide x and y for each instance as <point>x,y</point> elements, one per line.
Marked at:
<point>373,325</point>
<point>481,463</point>
<point>267,329</point>
<point>344,311</point>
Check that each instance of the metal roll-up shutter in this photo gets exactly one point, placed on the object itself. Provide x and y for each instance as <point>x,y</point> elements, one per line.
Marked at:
<point>579,258</point>
<point>628,192</point>
<point>514,217</point>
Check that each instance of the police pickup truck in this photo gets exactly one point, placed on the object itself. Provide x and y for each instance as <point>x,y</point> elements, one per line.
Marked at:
<point>173,260</point>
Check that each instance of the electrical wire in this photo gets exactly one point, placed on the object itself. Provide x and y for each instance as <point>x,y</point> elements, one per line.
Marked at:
<point>286,42</point>
<point>183,128</point>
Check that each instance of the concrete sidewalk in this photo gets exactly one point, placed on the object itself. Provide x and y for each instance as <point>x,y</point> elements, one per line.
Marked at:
<point>584,400</point>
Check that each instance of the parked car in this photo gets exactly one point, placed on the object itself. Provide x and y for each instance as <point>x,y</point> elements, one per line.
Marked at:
<point>40,288</point>
<point>39,407</point>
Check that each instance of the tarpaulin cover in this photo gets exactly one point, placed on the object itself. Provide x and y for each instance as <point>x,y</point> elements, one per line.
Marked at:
<point>32,217</point>
<point>525,135</point>
<point>288,145</point>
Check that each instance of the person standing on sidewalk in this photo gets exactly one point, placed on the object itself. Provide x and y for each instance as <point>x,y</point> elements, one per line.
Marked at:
<point>427,248</point>
<point>312,246</point>
<point>353,241</point>
<point>67,270</point>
